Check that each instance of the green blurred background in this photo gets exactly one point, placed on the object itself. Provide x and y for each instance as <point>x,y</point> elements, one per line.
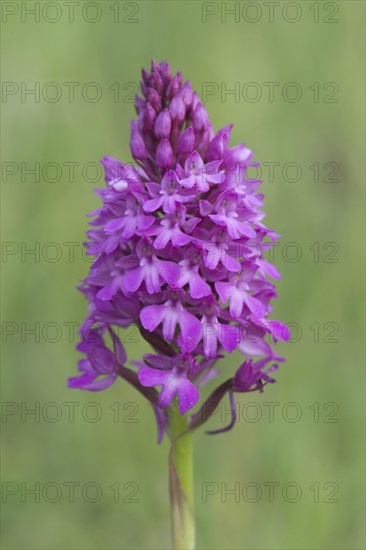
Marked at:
<point>323,377</point>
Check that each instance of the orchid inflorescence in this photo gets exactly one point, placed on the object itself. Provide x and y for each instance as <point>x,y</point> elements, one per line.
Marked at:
<point>178,245</point>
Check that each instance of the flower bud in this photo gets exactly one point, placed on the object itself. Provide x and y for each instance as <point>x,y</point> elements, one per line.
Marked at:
<point>238,155</point>
<point>143,87</point>
<point>139,104</point>
<point>177,108</point>
<point>149,117</point>
<point>163,125</point>
<point>164,154</point>
<point>200,118</point>
<point>204,141</point>
<point>154,98</point>
<point>219,144</point>
<point>195,101</point>
<point>154,66</point>
<point>156,83</point>
<point>187,94</point>
<point>174,86</point>
<point>145,76</point>
<point>166,72</point>
<point>186,141</point>
<point>137,144</point>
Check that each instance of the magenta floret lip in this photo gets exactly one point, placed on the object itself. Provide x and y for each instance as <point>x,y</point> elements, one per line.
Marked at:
<point>179,244</point>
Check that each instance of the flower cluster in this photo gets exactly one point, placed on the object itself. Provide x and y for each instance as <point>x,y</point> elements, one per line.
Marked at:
<point>178,247</point>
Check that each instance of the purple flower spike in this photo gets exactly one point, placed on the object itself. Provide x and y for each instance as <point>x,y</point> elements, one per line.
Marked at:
<point>179,245</point>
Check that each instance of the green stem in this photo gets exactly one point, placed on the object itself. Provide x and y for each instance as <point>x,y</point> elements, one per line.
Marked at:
<point>181,482</point>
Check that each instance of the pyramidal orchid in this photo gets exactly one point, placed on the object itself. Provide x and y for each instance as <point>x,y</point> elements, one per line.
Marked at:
<point>178,248</point>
